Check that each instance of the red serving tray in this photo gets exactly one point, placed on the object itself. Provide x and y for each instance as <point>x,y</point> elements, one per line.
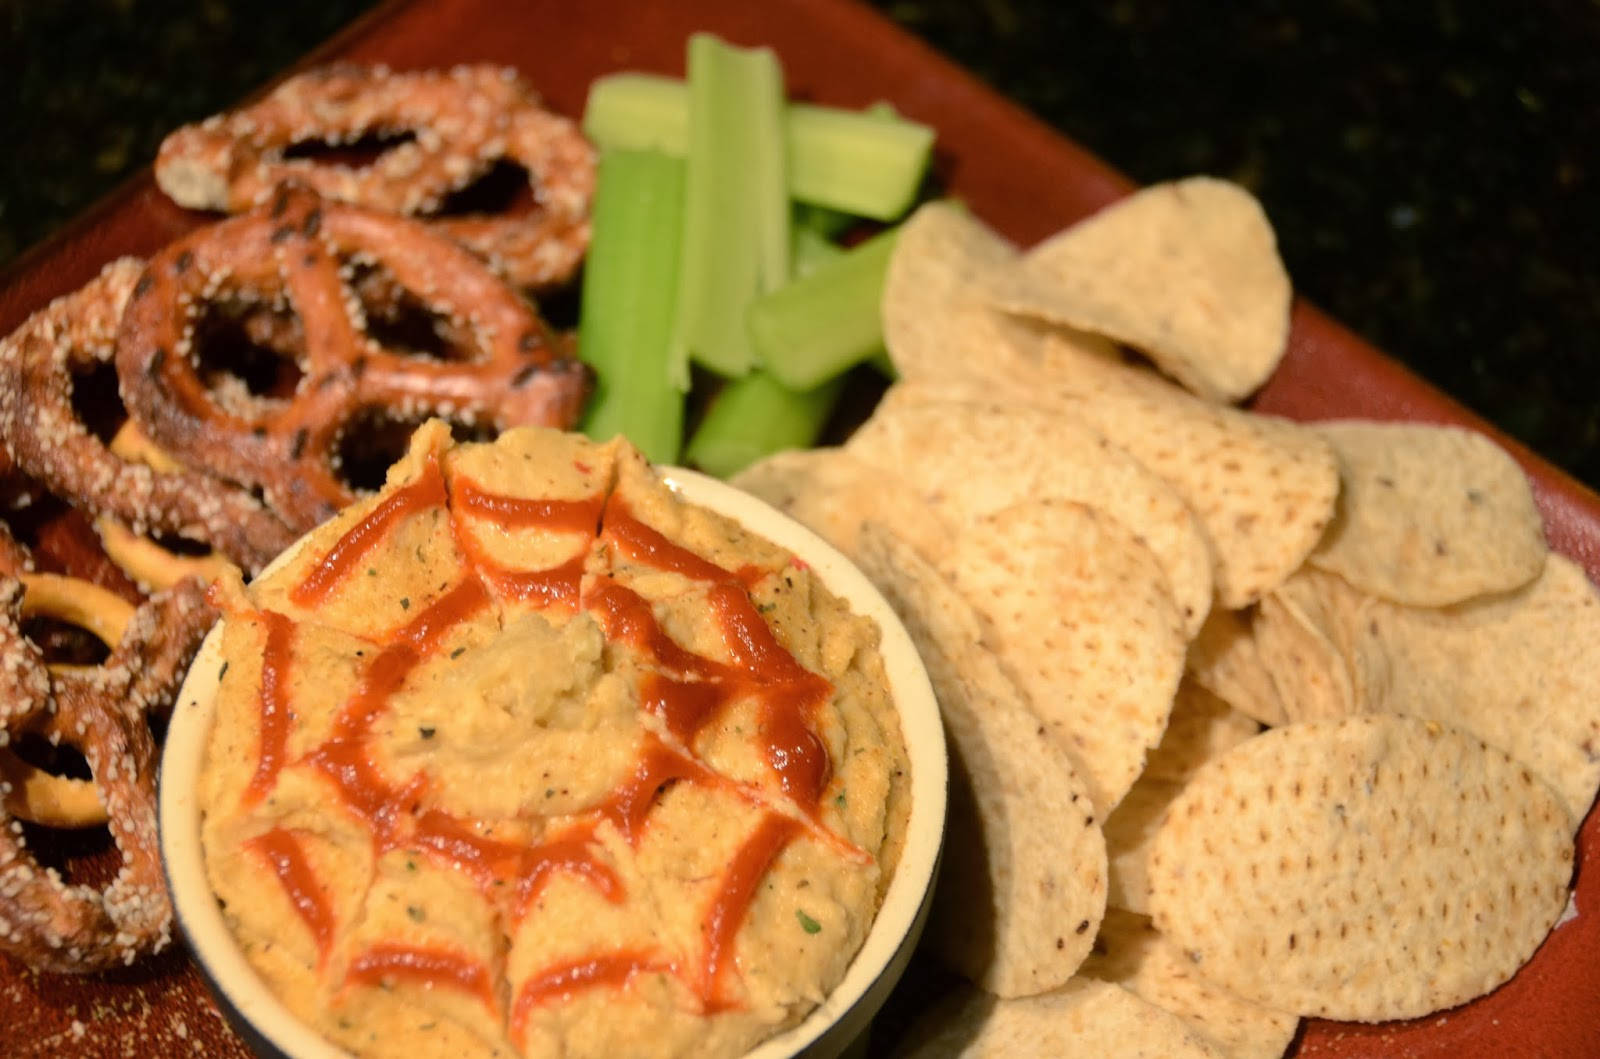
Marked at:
<point>1016,173</point>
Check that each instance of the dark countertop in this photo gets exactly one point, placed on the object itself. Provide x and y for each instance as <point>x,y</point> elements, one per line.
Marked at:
<point>1429,169</point>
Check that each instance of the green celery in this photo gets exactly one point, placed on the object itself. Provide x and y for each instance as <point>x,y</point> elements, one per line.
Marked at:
<point>825,323</point>
<point>629,308</point>
<point>755,416</point>
<point>865,163</point>
<point>811,249</point>
<point>736,208</point>
<point>823,220</point>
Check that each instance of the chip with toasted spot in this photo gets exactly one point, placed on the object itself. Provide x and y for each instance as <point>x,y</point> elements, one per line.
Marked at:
<point>1078,612</point>
<point>1263,487</point>
<point>1369,868</point>
<point>1086,1017</point>
<point>1133,954</point>
<point>1186,272</point>
<point>1429,515</point>
<point>969,456</point>
<point>1520,671</point>
<point>1021,894</point>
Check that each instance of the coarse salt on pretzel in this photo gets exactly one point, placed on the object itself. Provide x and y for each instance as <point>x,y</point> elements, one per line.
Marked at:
<point>47,440</point>
<point>461,122</point>
<point>304,251</point>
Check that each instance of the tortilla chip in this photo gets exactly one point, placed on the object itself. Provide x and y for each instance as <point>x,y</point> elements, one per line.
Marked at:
<point>1307,668</point>
<point>1224,660</point>
<point>1133,954</point>
<point>1022,892</point>
<point>833,494</point>
<point>1079,614</point>
<point>1187,272</point>
<point>971,456</point>
<point>1519,671</point>
<point>1130,830</point>
<point>1263,487</point>
<point>1369,868</point>
<point>1429,515</point>
<point>1202,727</point>
<point>936,324</point>
<point>1085,1017</point>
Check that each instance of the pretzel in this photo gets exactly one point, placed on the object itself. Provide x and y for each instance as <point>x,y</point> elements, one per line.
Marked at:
<point>101,710</point>
<point>141,558</point>
<point>48,441</point>
<point>299,249</point>
<point>35,794</point>
<point>461,122</point>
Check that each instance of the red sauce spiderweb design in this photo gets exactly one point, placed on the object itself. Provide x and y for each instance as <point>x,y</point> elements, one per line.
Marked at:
<point>684,690</point>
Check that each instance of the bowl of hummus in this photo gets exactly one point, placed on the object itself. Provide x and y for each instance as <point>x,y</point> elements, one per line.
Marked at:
<point>543,751</point>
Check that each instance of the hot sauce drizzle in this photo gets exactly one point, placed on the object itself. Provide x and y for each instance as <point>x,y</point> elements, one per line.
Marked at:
<point>390,960</point>
<point>610,969</point>
<point>275,709</point>
<point>734,894</point>
<point>288,862</point>
<point>688,692</point>
<point>427,491</point>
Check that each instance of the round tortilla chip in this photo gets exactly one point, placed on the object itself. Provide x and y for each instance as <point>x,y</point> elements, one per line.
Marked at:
<point>1023,889</point>
<point>1187,272</point>
<point>1307,668</point>
<point>969,457</point>
<point>1084,1017</point>
<point>1202,726</point>
<point>936,324</point>
<point>1429,515</point>
<point>1132,953</point>
<point>833,494</point>
<point>1520,671</point>
<point>1370,868</point>
<point>1263,487</point>
<point>1081,618</point>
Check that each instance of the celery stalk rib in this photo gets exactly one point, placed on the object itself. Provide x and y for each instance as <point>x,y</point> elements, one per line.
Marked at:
<point>736,209</point>
<point>754,417</point>
<point>827,321</point>
<point>865,163</point>
<point>629,306</point>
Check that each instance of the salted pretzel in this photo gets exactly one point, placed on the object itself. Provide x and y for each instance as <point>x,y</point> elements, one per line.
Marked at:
<point>300,249</point>
<point>141,558</point>
<point>101,710</point>
<point>49,442</point>
<point>460,122</point>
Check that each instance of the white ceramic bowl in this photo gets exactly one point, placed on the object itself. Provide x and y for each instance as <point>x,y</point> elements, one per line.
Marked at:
<point>269,1027</point>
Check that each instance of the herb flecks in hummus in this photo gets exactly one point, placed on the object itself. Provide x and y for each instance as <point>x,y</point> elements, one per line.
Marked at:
<point>524,754</point>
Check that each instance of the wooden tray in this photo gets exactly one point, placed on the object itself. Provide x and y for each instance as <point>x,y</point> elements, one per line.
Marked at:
<point>1017,174</point>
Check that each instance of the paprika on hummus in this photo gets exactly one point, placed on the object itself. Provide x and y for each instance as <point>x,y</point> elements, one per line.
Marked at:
<point>525,755</point>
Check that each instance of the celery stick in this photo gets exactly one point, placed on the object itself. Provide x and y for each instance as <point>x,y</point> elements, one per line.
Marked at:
<point>811,249</point>
<point>756,416</point>
<point>736,208</point>
<point>638,112</point>
<point>862,163</point>
<point>630,301</point>
<point>821,219</point>
<point>821,325</point>
<point>866,163</point>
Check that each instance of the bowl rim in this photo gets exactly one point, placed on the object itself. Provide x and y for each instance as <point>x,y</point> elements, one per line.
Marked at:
<point>894,929</point>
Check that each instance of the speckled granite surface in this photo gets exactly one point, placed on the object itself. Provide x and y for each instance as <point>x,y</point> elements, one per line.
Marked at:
<point>1430,167</point>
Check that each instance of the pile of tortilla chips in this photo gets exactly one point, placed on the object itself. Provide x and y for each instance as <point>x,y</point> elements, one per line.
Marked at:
<point>1116,581</point>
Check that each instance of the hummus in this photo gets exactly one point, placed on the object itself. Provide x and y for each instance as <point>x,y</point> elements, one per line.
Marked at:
<point>524,755</point>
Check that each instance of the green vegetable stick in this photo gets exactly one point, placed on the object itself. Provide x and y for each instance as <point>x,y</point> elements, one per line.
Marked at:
<point>866,163</point>
<point>811,249</point>
<point>736,209</point>
<point>756,416</point>
<point>629,304</point>
<point>826,322</point>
